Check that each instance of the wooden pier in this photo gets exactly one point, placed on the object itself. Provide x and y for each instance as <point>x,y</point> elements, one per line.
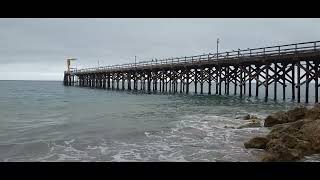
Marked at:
<point>287,66</point>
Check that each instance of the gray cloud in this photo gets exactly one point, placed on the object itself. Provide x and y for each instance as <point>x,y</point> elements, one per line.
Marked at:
<point>37,48</point>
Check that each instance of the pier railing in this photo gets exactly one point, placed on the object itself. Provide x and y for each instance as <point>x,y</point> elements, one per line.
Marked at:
<point>298,48</point>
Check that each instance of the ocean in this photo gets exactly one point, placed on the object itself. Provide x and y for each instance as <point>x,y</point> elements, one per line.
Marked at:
<point>46,121</point>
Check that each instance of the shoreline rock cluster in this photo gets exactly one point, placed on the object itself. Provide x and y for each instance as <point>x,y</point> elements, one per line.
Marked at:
<point>294,134</point>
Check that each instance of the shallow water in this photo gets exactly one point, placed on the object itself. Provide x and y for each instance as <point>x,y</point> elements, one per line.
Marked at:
<point>45,121</point>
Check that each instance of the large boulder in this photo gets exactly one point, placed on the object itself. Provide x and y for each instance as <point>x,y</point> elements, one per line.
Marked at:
<point>280,130</point>
<point>296,113</point>
<point>311,131</point>
<point>285,117</point>
<point>276,118</point>
<point>287,148</point>
<point>313,113</point>
<point>295,135</point>
<point>257,142</point>
<point>283,154</point>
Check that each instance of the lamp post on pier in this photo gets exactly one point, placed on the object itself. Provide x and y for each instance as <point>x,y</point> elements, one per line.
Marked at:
<point>217,48</point>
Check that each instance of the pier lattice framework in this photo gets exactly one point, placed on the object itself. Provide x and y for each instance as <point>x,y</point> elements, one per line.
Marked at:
<point>285,66</point>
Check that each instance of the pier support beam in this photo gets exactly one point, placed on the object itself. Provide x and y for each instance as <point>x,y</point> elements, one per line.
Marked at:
<point>316,83</point>
<point>149,81</point>
<point>284,81</point>
<point>195,80</point>
<point>267,82</point>
<point>298,81</point>
<point>201,80</point>
<point>275,77</point>
<point>250,79</point>
<point>209,79</point>
<point>307,81</point>
<point>187,80</point>
<point>241,81</point>
<point>293,84</point>
<point>220,79</point>
<point>129,80</point>
<point>257,74</point>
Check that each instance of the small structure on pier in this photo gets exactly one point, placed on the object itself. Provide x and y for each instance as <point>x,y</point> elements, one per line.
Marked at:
<point>69,74</point>
<point>291,64</point>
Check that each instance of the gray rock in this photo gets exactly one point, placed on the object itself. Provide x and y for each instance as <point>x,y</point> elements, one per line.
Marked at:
<point>257,142</point>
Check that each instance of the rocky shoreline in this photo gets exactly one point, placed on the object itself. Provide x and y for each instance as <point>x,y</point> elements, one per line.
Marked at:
<point>294,134</point>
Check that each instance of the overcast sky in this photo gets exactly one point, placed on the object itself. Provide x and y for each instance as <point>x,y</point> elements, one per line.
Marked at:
<point>36,49</point>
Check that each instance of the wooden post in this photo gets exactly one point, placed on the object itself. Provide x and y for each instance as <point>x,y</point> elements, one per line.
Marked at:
<point>195,80</point>
<point>298,83</point>
<point>307,81</point>
<point>220,80</point>
<point>113,81</point>
<point>160,80</point>
<point>225,80</point>
<point>135,80</point>
<point>104,81</point>
<point>170,81</point>
<point>92,78</point>
<point>201,81</point>
<point>163,76</point>
<point>166,81</point>
<point>129,80</point>
<point>108,81</point>
<point>209,79</point>
<point>122,80</point>
<point>244,80</point>
<point>64,79</point>
<point>118,81</point>
<point>267,83</point>
<point>184,85</point>
<point>241,81</point>
<point>284,81</point>
<point>275,77</point>
<point>257,79</point>
<point>316,83</point>
<point>235,79</point>
<point>149,81</point>
<point>173,81</point>
<point>228,78</point>
<point>177,78</point>
<point>156,81</point>
<point>187,79</point>
<point>250,79</point>
<point>96,80</point>
<point>88,80</point>
<point>180,81</point>
<point>293,81</point>
<point>217,80</point>
<point>78,83</point>
<point>69,80</point>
